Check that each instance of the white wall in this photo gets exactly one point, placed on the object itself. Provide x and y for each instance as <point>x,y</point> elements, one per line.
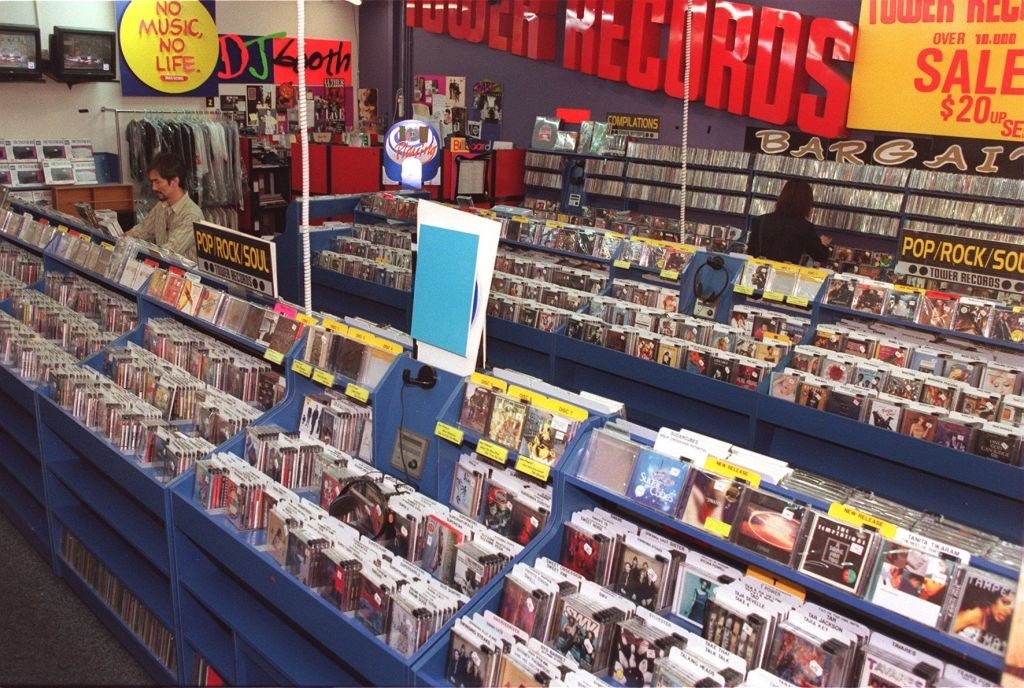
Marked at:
<point>51,110</point>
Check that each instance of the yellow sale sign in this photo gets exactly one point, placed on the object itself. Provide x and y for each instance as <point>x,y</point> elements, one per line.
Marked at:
<point>940,67</point>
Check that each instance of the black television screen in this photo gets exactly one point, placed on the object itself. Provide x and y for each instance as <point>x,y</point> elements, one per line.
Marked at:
<point>20,52</point>
<point>82,54</point>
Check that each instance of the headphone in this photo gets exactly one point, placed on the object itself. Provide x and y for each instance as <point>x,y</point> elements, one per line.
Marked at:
<point>717,264</point>
<point>362,505</point>
<point>425,378</point>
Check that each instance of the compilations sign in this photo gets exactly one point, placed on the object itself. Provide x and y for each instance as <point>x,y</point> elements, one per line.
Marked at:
<point>241,259</point>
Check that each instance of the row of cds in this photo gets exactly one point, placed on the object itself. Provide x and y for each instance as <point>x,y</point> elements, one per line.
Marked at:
<point>368,269</point>
<point>20,264</point>
<point>393,598</point>
<point>111,311</point>
<point>956,210</point>
<point>940,310</point>
<point>707,494</point>
<point>830,170</point>
<point>25,227</point>
<point>273,327</point>
<point>579,274</point>
<point>398,562</point>
<point>531,424</point>
<point>385,235</point>
<point>31,357</point>
<point>631,224</point>
<point>965,432</point>
<point>67,328</point>
<point>136,616</point>
<point>967,184</point>
<point>854,349</point>
<point>695,156</point>
<point>353,246</point>
<point>389,205</point>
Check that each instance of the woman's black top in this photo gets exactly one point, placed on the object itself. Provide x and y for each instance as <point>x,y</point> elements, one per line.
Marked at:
<point>785,239</point>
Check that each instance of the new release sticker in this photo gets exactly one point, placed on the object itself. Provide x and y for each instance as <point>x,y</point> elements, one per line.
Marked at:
<point>170,45</point>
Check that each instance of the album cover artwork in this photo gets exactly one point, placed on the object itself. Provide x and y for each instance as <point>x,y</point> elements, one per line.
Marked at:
<point>584,552</point>
<point>937,310</point>
<point>885,413</point>
<point>507,419</point>
<point>918,424</point>
<point>640,577</point>
<point>838,553</point>
<point>984,611</point>
<point>799,658</point>
<point>770,525</point>
<point>476,407</point>
<point>913,582</point>
<point>657,481</point>
<point>519,606</point>
<point>711,502</point>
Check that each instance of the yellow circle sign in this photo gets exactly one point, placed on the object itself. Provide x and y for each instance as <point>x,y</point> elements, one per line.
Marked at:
<point>170,45</point>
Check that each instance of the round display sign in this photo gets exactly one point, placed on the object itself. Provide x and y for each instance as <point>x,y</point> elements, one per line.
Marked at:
<point>412,153</point>
<point>170,45</point>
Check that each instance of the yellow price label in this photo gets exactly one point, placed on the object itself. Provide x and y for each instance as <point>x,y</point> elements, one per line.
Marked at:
<point>492,451</point>
<point>273,356</point>
<point>907,289</point>
<point>533,468</point>
<point>743,289</point>
<point>623,264</point>
<point>859,518</point>
<point>302,368</point>
<point>520,218</point>
<point>62,229</point>
<point>800,301</point>
<point>356,392</point>
<point>670,275</point>
<point>719,528</point>
<point>527,395</point>
<point>387,345</point>
<point>107,245</point>
<point>335,326</point>
<point>448,432</point>
<point>306,319</point>
<point>488,381</point>
<point>570,411</point>
<point>361,336</point>
<point>727,469</point>
<point>774,296</point>
<point>323,377</point>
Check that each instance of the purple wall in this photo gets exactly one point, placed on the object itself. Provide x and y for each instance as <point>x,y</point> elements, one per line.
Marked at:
<point>536,88</point>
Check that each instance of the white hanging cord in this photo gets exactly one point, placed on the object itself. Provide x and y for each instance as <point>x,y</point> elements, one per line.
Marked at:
<point>688,46</point>
<point>307,288</point>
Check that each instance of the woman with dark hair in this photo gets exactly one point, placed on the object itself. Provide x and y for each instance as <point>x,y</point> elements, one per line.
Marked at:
<point>785,234</point>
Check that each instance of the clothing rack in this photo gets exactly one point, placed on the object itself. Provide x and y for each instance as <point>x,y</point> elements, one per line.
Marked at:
<point>206,142</point>
<point>146,111</point>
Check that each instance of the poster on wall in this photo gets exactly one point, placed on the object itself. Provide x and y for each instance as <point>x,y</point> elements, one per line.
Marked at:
<point>486,111</point>
<point>956,66</point>
<point>167,48</point>
<point>441,101</point>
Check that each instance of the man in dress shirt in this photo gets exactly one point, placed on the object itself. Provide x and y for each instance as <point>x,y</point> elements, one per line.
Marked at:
<point>169,222</point>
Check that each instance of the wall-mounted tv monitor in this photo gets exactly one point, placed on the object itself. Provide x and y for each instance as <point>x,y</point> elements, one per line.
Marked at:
<point>83,54</point>
<point>20,53</point>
